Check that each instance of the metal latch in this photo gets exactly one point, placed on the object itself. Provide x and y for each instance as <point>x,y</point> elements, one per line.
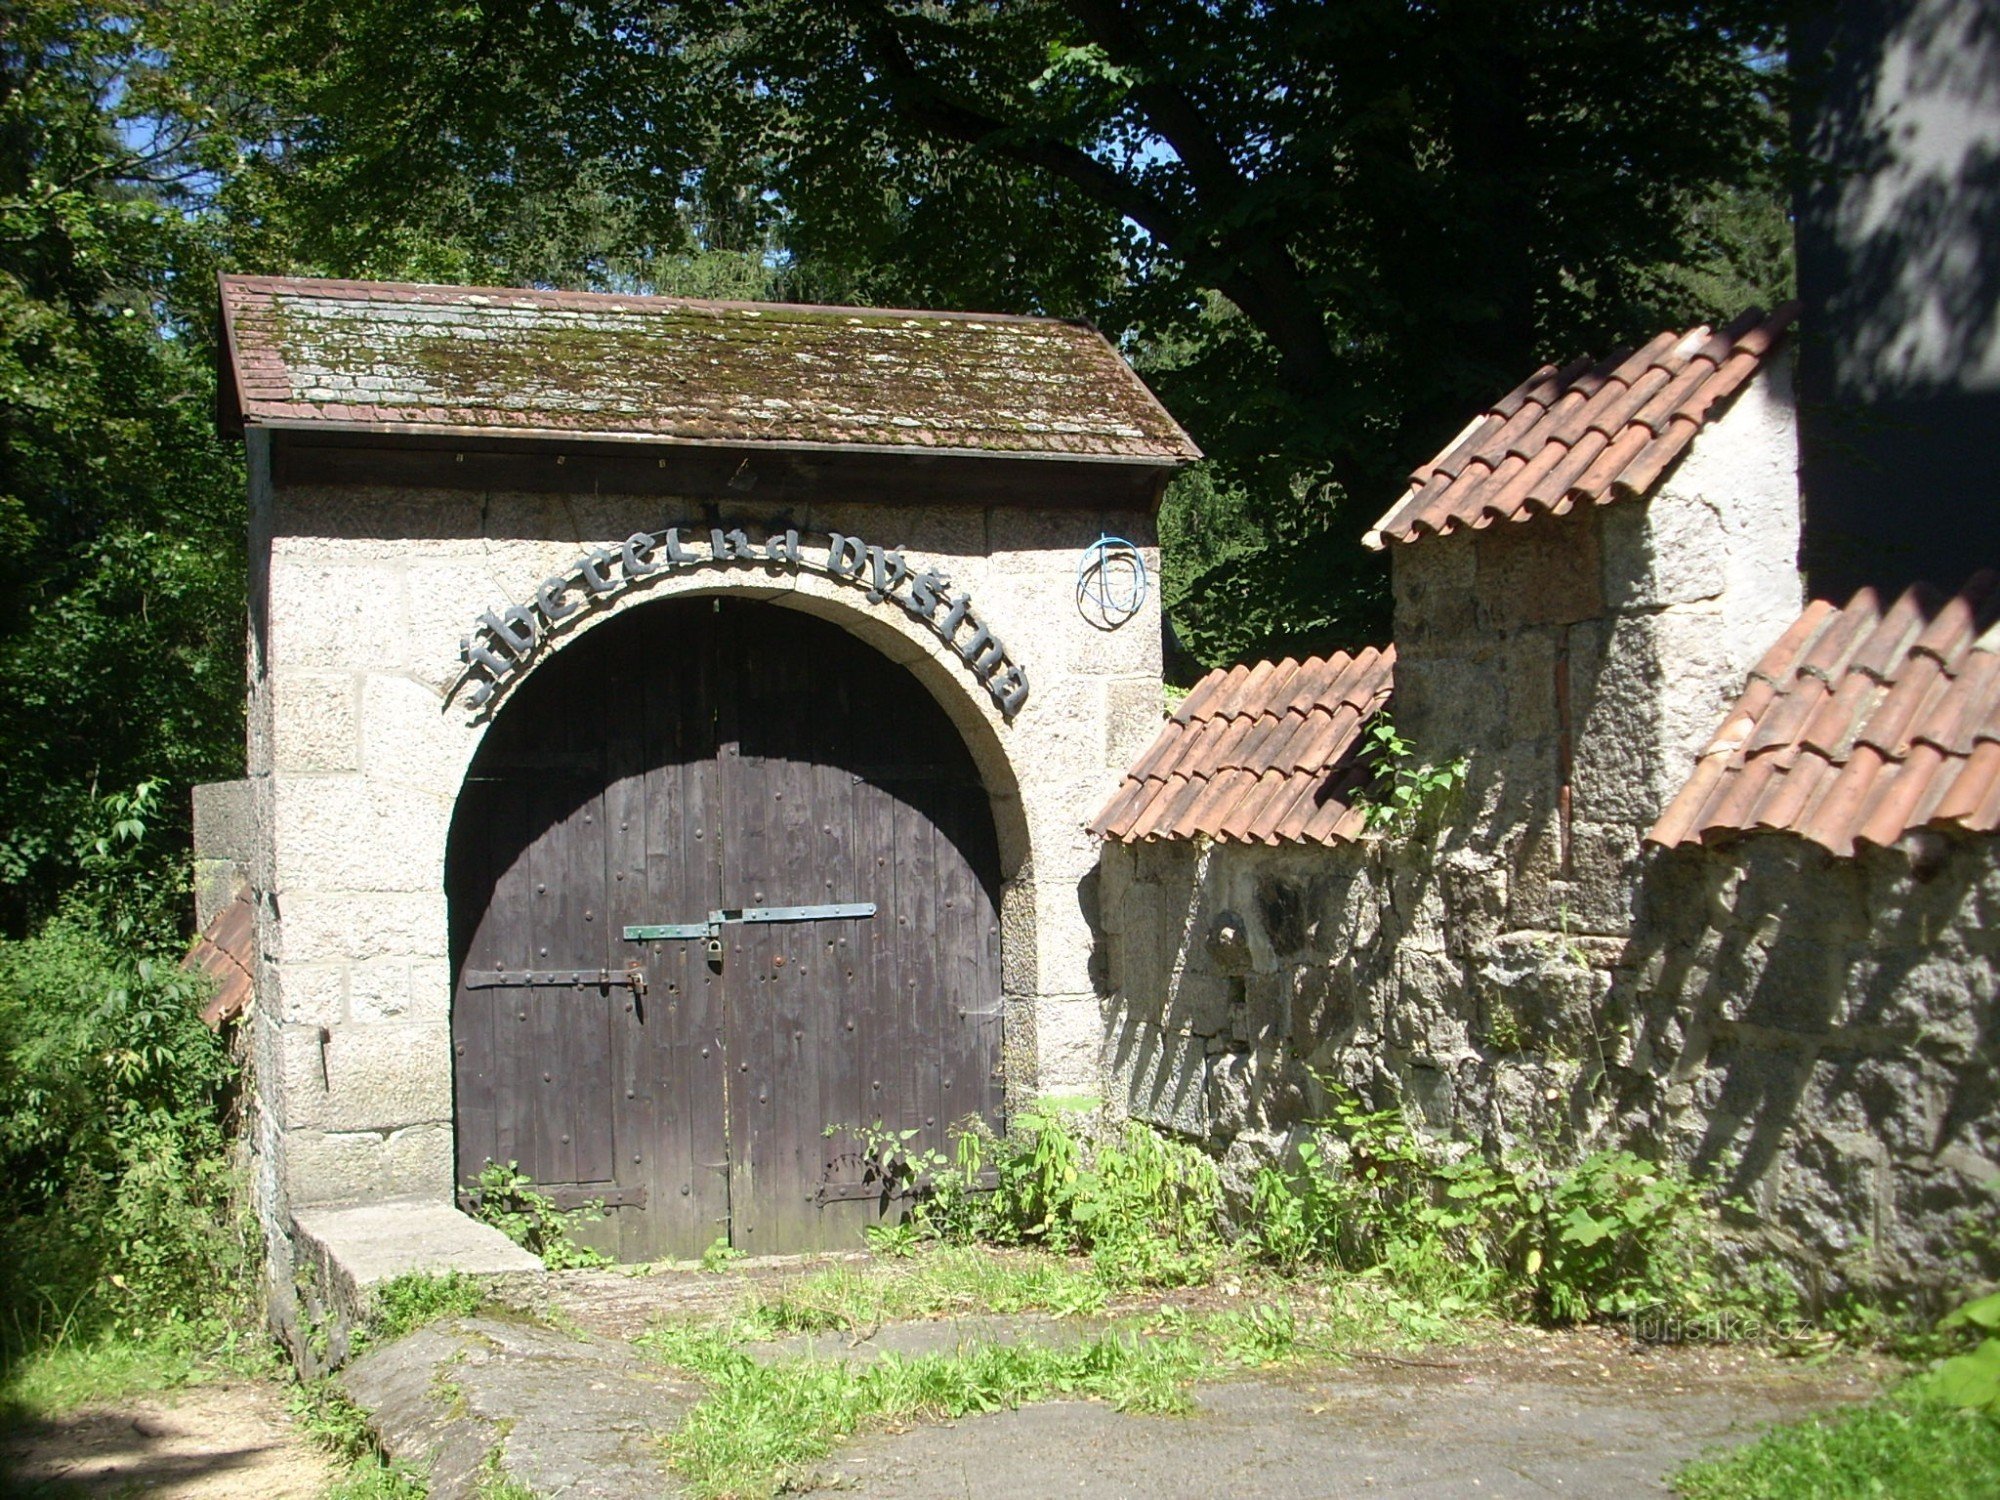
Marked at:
<point>632,977</point>
<point>712,928</point>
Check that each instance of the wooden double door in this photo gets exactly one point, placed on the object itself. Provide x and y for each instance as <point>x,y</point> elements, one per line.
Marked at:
<point>720,758</point>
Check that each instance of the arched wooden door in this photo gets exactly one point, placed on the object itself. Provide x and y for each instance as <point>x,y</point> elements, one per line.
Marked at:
<point>711,756</point>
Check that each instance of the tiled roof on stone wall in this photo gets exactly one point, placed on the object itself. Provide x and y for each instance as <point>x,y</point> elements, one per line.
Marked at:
<point>530,363</point>
<point>1861,725</point>
<point>1258,754</point>
<point>1586,434</point>
<point>225,952</point>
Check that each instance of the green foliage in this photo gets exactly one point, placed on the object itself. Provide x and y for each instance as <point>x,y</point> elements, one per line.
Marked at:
<point>1326,233</point>
<point>1610,1236</point>
<point>408,1302</point>
<point>332,1420</point>
<point>1887,1448</point>
<point>762,1425</point>
<point>1938,1434</point>
<point>1407,795</point>
<point>931,1282</point>
<point>505,1197</point>
<point>119,1215</point>
<point>1146,1209</point>
<point>374,1479</point>
<point>1971,1380</point>
<point>720,1255</point>
<point>121,524</point>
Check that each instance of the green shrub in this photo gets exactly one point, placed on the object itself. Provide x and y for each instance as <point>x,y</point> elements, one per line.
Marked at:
<point>1145,1208</point>
<point>1612,1235</point>
<point>119,1215</point>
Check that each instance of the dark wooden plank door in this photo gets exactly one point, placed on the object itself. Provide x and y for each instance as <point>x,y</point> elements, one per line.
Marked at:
<point>701,756</point>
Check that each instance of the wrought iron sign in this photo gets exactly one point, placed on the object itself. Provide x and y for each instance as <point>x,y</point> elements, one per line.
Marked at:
<point>507,639</point>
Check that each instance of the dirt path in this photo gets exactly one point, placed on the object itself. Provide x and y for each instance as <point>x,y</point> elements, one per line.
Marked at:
<point>209,1442</point>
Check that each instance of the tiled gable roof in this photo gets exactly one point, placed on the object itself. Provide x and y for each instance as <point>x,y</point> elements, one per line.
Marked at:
<point>1861,725</point>
<point>531,363</point>
<point>1258,754</point>
<point>1586,434</point>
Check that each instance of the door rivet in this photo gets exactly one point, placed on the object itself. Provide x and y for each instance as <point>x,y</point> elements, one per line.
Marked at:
<point>545,1078</point>
<point>628,1093</point>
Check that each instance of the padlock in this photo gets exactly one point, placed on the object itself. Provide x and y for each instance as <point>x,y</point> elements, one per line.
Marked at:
<point>715,950</point>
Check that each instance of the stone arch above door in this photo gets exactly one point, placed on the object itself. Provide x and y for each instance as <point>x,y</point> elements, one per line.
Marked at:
<point>890,631</point>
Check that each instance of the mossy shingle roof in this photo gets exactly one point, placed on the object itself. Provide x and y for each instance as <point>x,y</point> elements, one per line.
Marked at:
<point>594,365</point>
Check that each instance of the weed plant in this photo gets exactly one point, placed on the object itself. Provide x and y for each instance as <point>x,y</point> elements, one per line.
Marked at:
<point>1610,1236</point>
<point>507,1198</point>
<point>1147,1210</point>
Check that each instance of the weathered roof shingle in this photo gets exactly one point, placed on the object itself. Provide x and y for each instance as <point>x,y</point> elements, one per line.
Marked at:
<point>1861,725</point>
<point>595,365</point>
<point>1586,434</point>
<point>1258,754</point>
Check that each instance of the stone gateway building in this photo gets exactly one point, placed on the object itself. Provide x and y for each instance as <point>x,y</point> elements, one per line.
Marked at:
<point>671,726</point>
<point>676,730</point>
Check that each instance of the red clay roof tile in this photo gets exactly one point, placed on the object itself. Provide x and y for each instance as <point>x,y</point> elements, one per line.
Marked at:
<point>1861,725</point>
<point>226,951</point>
<point>1587,434</point>
<point>1262,754</point>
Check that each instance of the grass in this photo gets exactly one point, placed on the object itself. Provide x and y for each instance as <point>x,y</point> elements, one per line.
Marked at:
<point>763,1426</point>
<point>927,1285</point>
<point>61,1376</point>
<point>1889,1448</point>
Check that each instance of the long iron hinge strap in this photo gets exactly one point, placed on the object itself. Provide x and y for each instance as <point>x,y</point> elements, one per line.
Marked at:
<point>687,930</point>
<point>567,979</point>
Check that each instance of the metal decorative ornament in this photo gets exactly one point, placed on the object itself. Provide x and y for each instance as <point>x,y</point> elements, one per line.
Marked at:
<point>507,639</point>
<point>1111,582</point>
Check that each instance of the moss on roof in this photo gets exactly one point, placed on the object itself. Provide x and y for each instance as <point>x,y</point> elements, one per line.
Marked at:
<point>576,363</point>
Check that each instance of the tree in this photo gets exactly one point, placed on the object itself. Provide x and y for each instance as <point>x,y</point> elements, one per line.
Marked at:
<point>1327,229</point>
<point>121,552</point>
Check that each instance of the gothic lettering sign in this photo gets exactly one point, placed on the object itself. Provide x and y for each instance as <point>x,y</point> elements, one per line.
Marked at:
<point>508,638</point>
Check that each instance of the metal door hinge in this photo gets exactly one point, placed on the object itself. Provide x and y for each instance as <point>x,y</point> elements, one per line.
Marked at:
<point>632,977</point>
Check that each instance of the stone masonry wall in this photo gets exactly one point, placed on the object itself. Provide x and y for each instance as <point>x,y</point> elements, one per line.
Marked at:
<point>1808,1030</point>
<point>1816,1035</point>
<point>360,600</point>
